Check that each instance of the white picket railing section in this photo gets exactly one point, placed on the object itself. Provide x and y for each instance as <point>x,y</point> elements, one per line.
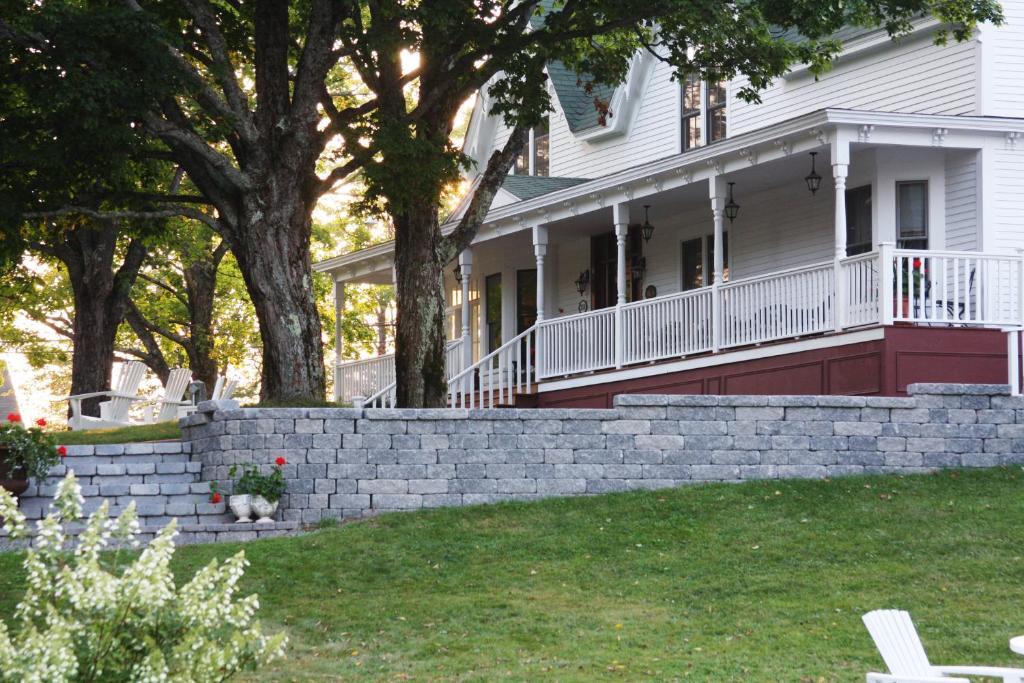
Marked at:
<point>860,289</point>
<point>577,343</point>
<point>934,288</point>
<point>957,288</point>
<point>791,303</point>
<point>498,377</point>
<point>667,326</point>
<point>364,377</point>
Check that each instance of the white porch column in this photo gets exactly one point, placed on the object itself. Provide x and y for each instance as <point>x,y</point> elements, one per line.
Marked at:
<point>339,310</point>
<point>540,252</point>
<point>886,295</point>
<point>840,168</point>
<point>716,185</point>
<point>620,216</point>
<point>1013,360</point>
<point>466,266</point>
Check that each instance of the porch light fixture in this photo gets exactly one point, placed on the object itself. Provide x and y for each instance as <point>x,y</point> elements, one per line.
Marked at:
<point>639,268</point>
<point>813,179</point>
<point>582,281</point>
<point>458,273</point>
<point>647,229</point>
<point>731,207</point>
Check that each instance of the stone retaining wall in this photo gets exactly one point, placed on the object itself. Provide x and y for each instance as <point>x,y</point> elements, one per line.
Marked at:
<point>344,462</point>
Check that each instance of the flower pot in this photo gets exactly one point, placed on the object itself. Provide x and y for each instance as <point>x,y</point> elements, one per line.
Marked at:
<point>241,505</point>
<point>264,509</point>
<point>15,482</point>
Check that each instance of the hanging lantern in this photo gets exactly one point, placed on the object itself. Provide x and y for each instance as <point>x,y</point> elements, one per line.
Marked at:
<point>813,179</point>
<point>731,207</point>
<point>647,229</point>
<point>582,281</point>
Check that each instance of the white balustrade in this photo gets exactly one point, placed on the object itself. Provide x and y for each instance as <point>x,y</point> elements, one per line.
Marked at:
<point>497,378</point>
<point>365,377</point>
<point>790,303</point>
<point>453,358</point>
<point>956,288</point>
<point>860,274</point>
<point>577,343</point>
<point>667,326</point>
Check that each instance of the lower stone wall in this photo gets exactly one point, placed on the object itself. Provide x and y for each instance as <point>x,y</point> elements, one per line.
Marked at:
<point>344,462</point>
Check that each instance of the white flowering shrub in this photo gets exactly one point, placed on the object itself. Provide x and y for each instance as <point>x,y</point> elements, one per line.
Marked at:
<point>85,616</point>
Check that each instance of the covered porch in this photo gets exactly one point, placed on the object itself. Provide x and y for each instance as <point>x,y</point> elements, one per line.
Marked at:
<point>742,253</point>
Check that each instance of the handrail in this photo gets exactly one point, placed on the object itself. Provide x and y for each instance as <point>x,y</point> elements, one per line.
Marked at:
<point>775,274</point>
<point>640,303</point>
<point>494,354</point>
<point>497,377</point>
<point>382,394</point>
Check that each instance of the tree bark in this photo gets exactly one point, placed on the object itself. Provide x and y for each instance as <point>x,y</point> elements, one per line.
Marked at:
<point>419,337</point>
<point>272,248</point>
<point>200,290</point>
<point>101,299</point>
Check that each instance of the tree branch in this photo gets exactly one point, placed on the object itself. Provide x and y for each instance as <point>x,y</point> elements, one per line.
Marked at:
<point>184,211</point>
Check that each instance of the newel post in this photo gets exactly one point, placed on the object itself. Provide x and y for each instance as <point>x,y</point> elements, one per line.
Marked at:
<point>621,219</point>
<point>886,293</point>
<point>466,270</point>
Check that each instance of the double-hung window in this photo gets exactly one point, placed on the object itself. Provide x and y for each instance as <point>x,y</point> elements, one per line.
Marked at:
<point>702,112</point>
<point>912,214</point>
<point>692,130</point>
<point>535,159</point>
<point>714,106</point>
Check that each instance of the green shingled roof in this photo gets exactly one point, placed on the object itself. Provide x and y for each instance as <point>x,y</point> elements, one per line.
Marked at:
<point>530,186</point>
<point>577,105</point>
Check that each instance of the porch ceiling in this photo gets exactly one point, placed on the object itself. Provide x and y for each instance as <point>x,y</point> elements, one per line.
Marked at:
<point>758,159</point>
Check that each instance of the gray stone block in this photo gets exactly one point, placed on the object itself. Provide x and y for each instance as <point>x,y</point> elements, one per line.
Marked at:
<point>375,486</point>
<point>660,441</point>
<point>349,500</point>
<point>473,485</point>
<point>735,457</point>
<point>714,472</point>
<point>110,470</point>
<point>561,486</point>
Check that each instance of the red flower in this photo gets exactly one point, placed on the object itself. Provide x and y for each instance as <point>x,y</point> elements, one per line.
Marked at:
<point>41,422</point>
<point>280,461</point>
<point>13,417</point>
<point>215,498</point>
<point>917,264</point>
<point>62,451</point>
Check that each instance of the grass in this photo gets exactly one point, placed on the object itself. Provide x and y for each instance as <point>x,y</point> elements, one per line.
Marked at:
<point>761,581</point>
<point>162,431</point>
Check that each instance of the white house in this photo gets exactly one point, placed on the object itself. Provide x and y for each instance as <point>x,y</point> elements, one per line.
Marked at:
<point>688,246</point>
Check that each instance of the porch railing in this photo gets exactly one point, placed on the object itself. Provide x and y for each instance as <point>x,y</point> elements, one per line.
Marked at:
<point>934,288</point>
<point>497,378</point>
<point>373,379</point>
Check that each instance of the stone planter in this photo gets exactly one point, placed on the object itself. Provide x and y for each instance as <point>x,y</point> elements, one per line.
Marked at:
<point>17,482</point>
<point>241,506</point>
<point>264,509</point>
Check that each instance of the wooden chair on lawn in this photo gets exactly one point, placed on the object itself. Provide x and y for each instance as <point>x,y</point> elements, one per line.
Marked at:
<point>171,406</point>
<point>223,389</point>
<point>113,413</point>
<point>897,641</point>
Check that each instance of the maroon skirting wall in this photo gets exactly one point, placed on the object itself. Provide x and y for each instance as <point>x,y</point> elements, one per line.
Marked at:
<point>883,367</point>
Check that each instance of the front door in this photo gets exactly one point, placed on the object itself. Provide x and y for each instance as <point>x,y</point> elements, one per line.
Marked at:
<point>604,268</point>
<point>526,299</point>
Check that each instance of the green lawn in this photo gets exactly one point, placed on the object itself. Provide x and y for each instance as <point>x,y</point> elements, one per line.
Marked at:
<point>157,432</point>
<point>752,582</point>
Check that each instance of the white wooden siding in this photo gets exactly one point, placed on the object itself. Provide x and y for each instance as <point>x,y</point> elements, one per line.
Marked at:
<point>1004,63</point>
<point>962,200</point>
<point>1007,208</point>
<point>912,77</point>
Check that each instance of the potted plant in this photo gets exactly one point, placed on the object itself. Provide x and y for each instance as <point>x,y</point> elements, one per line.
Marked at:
<point>913,273</point>
<point>256,492</point>
<point>26,453</point>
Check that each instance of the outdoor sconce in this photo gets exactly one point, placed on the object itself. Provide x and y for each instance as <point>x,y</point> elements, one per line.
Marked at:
<point>582,281</point>
<point>813,179</point>
<point>458,273</point>
<point>639,268</point>
<point>647,229</point>
<point>731,207</point>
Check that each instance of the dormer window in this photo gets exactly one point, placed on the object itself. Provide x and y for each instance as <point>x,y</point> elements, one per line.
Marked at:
<point>535,159</point>
<point>703,112</point>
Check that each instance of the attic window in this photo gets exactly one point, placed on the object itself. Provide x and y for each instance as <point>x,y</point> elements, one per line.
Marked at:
<point>703,112</point>
<point>536,158</point>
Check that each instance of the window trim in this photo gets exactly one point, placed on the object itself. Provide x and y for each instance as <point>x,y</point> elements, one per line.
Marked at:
<point>926,237</point>
<point>709,111</point>
<point>697,113</point>
<point>704,113</point>
<point>530,152</point>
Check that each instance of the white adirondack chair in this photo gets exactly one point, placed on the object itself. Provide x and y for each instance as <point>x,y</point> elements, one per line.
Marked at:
<point>113,413</point>
<point>897,641</point>
<point>223,389</point>
<point>171,406</point>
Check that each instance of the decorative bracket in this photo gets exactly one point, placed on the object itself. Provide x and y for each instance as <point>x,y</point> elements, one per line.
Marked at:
<point>785,146</point>
<point>1011,139</point>
<point>864,132</point>
<point>939,136</point>
<point>749,154</point>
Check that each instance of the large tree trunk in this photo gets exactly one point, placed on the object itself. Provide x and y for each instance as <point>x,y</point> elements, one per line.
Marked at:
<point>101,298</point>
<point>200,289</point>
<point>419,340</point>
<point>272,249</point>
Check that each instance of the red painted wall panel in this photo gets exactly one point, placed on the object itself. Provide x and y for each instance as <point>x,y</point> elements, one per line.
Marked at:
<point>905,355</point>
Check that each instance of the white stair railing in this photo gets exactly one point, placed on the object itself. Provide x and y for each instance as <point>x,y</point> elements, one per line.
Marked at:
<point>498,377</point>
<point>364,377</point>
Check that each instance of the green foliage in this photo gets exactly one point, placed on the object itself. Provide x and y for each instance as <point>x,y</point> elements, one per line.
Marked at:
<point>30,450</point>
<point>270,486</point>
<point>85,616</point>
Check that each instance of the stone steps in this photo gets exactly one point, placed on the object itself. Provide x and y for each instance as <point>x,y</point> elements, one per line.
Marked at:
<point>208,532</point>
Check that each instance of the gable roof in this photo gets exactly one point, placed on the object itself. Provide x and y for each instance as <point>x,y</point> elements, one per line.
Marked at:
<point>577,104</point>
<point>531,186</point>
